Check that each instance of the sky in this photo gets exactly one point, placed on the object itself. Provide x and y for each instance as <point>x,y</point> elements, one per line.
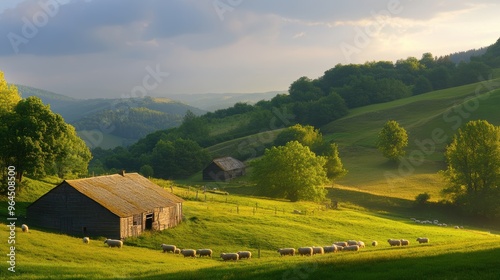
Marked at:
<point>136,48</point>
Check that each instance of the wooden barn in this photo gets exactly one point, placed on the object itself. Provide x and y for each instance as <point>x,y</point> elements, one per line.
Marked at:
<point>223,169</point>
<point>112,206</point>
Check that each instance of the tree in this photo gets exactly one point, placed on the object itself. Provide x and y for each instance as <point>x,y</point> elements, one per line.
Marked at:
<point>473,171</point>
<point>9,96</point>
<point>291,171</point>
<point>333,166</point>
<point>305,135</point>
<point>392,140</point>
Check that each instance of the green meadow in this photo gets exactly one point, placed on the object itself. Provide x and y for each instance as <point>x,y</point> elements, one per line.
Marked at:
<point>375,203</point>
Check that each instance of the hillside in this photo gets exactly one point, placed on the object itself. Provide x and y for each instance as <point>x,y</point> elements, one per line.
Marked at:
<point>234,222</point>
<point>216,101</point>
<point>120,122</point>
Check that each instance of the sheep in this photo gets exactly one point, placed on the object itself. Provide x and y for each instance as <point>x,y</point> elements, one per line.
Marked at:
<point>204,252</point>
<point>168,248</point>
<point>286,251</point>
<point>297,211</point>
<point>394,242</point>
<point>305,251</point>
<point>423,240</point>
<point>177,251</point>
<point>361,244</point>
<point>229,256</point>
<point>318,250</point>
<point>374,243</point>
<point>351,248</point>
<point>25,228</point>
<point>352,242</point>
<point>244,254</point>
<point>405,242</point>
<point>114,243</point>
<point>330,249</point>
<point>340,243</point>
<point>86,240</point>
<point>188,253</point>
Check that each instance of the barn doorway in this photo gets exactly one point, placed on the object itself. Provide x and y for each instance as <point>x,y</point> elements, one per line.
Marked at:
<point>149,221</point>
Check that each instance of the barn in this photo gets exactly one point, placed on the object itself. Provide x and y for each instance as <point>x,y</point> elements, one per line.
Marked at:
<point>223,169</point>
<point>113,206</point>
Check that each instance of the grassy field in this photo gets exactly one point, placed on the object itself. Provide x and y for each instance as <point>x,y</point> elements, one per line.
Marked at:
<point>229,223</point>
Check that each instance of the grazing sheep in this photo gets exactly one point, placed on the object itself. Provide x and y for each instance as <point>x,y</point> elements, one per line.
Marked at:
<point>286,251</point>
<point>244,254</point>
<point>423,240</point>
<point>25,228</point>
<point>188,253</point>
<point>361,244</point>
<point>351,248</point>
<point>86,240</point>
<point>305,251</point>
<point>394,242</point>
<point>330,249</point>
<point>405,242</point>
<point>318,250</point>
<point>340,243</point>
<point>374,243</point>
<point>297,211</point>
<point>177,251</point>
<point>229,256</point>
<point>352,242</point>
<point>114,243</point>
<point>204,252</point>
<point>168,248</point>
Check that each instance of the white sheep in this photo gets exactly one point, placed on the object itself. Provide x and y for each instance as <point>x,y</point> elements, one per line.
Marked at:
<point>423,240</point>
<point>340,243</point>
<point>25,228</point>
<point>405,242</point>
<point>361,244</point>
<point>318,250</point>
<point>188,253</point>
<point>229,256</point>
<point>177,251</point>
<point>305,251</point>
<point>244,254</point>
<point>113,243</point>
<point>394,242</point>
<point>330,249</point>
<point>86,240</point>
<point>286,251</point>
<point>374,243</point>
<point>168,248</point>
<point>351,248</point>
<point>204,252</point>
<point>352,242</point>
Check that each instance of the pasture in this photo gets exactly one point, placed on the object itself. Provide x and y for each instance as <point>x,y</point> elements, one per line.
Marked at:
<point>233,222</point>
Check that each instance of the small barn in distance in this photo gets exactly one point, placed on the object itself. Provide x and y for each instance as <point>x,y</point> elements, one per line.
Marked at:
<point>113,206</point>
<point>223,169</point>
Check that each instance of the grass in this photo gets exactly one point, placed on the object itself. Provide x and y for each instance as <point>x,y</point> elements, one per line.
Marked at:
<point>228,223</point>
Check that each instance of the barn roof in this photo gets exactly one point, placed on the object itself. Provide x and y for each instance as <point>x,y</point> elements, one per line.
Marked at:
<point>124,195</point>
<point>228,163</point>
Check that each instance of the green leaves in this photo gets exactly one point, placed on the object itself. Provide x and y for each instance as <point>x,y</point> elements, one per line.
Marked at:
<point>473,171</point>
<point>291,171</point>
<point>392,140</point>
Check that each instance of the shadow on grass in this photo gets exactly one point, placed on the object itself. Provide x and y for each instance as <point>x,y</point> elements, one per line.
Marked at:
<point>458,265</point>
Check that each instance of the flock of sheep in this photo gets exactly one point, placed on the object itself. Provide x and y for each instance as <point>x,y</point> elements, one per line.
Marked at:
<point>205,252</point>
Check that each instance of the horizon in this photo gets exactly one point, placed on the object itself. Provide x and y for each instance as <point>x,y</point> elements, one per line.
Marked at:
<point>160,49</point>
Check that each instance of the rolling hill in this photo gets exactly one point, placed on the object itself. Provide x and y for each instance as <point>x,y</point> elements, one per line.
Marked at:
<point>119,122</point>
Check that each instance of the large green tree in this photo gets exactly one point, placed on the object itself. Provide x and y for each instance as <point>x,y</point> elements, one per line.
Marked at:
<point>292,172</point>
<point>39,142</point>
<point>305,134</point>
<point>392,140</point>
<point>473,172</point>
